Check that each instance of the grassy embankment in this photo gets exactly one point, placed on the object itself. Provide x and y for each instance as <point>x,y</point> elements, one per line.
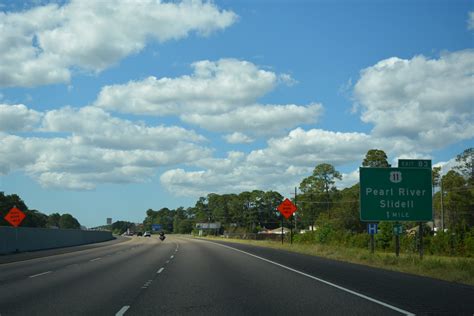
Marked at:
<point>453,269</point>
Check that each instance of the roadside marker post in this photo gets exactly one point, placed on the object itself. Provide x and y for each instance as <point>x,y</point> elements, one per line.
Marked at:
<point>397,231</point>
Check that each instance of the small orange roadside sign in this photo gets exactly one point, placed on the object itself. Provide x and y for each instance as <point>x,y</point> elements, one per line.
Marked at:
<point>15,217</point>
<point>287,208</point>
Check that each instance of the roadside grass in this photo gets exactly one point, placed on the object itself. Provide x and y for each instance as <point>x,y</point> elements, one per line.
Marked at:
<point>453,269</point>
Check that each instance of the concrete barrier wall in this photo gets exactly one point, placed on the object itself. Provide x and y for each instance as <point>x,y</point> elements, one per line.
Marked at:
<point>28,238</point>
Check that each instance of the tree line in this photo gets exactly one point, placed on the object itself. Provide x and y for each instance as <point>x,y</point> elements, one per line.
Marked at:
<point>247,211</point>
<point>333,213</point>
<point>35,218</point>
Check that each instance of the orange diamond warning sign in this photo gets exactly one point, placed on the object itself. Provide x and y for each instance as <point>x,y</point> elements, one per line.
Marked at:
<point>15,217</point>
<point>287,208</point>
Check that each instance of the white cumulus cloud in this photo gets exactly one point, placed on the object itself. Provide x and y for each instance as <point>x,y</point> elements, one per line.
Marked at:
<point>18,117</point>
<point>470,21</point>
<point>94,126</point>
<point>279,166</point>
<point>98,148</point>
<point>260,119</point>
<point>71,164</point>
<point>237,138</point>
<point>219,96</point>
<point>416,106</point>
<point>214,87</point>
<point>421,100</point>
<point>41,45</point>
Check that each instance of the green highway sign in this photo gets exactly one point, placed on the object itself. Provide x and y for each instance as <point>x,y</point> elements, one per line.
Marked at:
<point>395,194</point>
<point>414,163</point>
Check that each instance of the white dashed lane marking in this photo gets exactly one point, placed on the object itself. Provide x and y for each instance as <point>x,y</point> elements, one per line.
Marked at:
<point>122,311</point>
<point>40,274</point>
<point>95,259</point>
<point>147,284</point>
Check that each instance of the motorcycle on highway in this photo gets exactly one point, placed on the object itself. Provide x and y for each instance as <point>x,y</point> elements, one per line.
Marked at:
<point>162,236</point>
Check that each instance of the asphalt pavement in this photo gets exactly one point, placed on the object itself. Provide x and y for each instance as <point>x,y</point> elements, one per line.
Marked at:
<point>184,276</point>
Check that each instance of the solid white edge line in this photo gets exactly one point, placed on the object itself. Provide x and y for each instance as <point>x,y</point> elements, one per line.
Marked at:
<point>322,281</point>
<point>122,311</point>
<point>161,270</point>
<point>39,274</point>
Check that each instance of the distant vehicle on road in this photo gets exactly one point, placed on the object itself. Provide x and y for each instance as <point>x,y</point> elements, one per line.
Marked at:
<point>162,236</point>
<point>146,234</point>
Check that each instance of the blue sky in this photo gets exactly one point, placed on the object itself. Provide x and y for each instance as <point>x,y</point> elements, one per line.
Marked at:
<point>110,108</point>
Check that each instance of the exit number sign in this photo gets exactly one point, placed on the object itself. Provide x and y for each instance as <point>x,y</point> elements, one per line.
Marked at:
<point>414,163</point>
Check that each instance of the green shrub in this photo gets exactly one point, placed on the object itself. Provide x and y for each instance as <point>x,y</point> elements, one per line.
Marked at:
<point>306,238</point>
<point>325,233</point>
<point>384,237</point>
<point>441,244</point>
<point>469,244</point>
<point>408,243</point>
<point>359,240</point>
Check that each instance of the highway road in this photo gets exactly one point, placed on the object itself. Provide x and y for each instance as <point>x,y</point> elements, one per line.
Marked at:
<point>183,276</point>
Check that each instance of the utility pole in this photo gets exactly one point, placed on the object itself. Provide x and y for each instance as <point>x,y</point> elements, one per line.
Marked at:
<point>312,212</point>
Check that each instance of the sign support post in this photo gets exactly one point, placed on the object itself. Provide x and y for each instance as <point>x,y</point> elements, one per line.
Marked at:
<point>421,240</point>
<point>16,235</point>
<point>291,230</point>
<point>372,244</point>
<point>16,239</point>
<point>282,229</point>
<point>372,229</point>
<point>397,240</point>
